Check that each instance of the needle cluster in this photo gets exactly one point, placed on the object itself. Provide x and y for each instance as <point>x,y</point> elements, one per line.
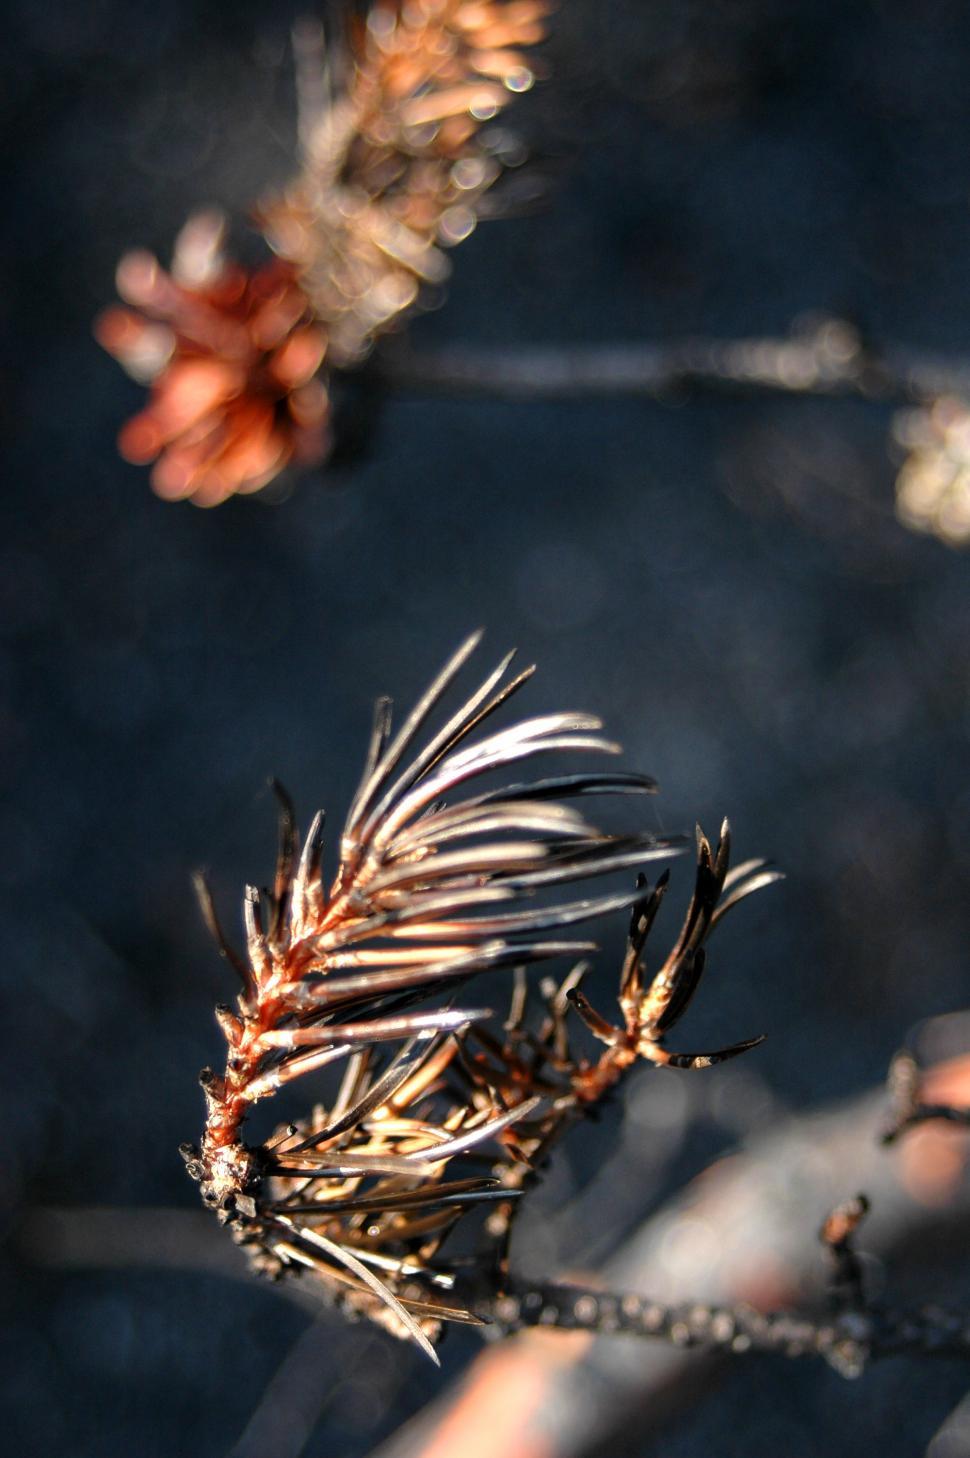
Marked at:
<point>438,1111</point>
<point>395,162</point>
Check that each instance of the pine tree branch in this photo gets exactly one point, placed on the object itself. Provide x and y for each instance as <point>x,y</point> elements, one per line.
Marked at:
<point>737,1244</point>
<point>740,1240</point>
<point>848,1340</point>
<point>907,1106</point>
<point>827,358</point>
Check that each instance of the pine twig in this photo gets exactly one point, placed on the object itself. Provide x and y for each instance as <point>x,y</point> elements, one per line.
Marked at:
<point>907,1107</point>
<point>846,1287</point>
<point>829,357</point>
<point>739,1237</point>
<point>848,1340</point>
<point>853,1335</point>
<point>574,1396</point>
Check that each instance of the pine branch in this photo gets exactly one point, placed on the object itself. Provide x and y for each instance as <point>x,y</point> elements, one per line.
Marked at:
<point>853,1333</point>
<point>828,358</point>
<point>735,1245</point>
<point>849,1341</point>
<point>756,1205</point>
<point>907,1106</point>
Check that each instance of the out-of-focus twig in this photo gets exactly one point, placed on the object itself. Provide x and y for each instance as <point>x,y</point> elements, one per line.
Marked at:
<point>86,1237</point>
<point>292,1400</point>
<point>846,1287</point>
<point>828,357</point>
<point>950,1441</point>
<point>908,1107</point>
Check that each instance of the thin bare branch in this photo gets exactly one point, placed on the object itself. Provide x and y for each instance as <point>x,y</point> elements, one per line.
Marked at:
<point>829,358</point>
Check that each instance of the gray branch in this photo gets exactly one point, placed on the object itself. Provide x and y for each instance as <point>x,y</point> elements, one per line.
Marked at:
<point>828,358</point>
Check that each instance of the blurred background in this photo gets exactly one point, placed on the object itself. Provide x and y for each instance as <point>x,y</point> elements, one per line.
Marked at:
<point>721,578</point>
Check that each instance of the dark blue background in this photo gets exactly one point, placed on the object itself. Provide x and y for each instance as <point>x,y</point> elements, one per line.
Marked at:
<point>721,578</point>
